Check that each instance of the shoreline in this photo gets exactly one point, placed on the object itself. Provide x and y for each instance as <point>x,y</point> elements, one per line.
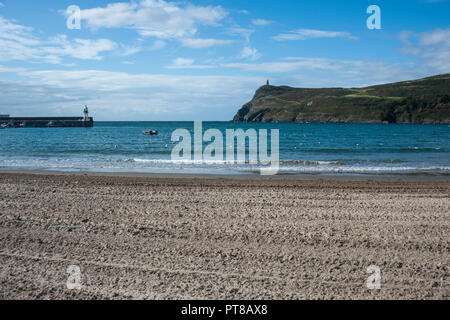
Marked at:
<point>248,176</point>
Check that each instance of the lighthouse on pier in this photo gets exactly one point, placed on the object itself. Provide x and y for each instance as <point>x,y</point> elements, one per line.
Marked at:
<point>86,113</point>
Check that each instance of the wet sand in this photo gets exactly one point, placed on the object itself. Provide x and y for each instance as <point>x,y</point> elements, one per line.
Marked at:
<point>181,237</point>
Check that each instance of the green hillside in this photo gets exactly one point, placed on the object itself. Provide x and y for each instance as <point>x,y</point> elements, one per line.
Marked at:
<point>419,101</point>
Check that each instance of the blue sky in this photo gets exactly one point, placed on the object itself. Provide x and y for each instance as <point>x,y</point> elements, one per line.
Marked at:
<point>202,60</point>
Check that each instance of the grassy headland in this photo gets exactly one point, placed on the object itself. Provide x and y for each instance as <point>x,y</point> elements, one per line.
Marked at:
<point>419,101</point>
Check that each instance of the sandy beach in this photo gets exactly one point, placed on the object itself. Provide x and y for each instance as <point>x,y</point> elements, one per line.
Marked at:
<point>210,237</point>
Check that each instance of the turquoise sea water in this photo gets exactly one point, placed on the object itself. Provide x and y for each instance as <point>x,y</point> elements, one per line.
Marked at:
<point>304,148</point>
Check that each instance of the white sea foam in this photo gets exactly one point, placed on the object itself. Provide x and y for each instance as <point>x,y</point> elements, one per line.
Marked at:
<point>167,165</point>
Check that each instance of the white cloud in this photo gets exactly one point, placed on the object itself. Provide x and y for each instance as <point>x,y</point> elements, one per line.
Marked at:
<point>119,95</point>
<point>129,50</point>
<point>244,32</point>
<point>78,48</point>
<point>17,42</point>
<point>156,18</point>
<point>158,45</point>
<point>358,72</point>
<point>433,48</point>
<point>261,22</point>
<point>249,53</point>
<point>204,43</point>
<point>17,33</point>
<point>14,70</point>
<point>183,63</point>
<point>305,34</point>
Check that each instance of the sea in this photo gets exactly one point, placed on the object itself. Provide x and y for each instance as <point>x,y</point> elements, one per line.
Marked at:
<point>304,148</point>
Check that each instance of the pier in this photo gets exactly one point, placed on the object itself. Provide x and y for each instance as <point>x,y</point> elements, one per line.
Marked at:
<point>47,122</point>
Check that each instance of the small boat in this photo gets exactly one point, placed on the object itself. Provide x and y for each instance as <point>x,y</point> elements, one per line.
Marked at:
<point>150,132</point>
